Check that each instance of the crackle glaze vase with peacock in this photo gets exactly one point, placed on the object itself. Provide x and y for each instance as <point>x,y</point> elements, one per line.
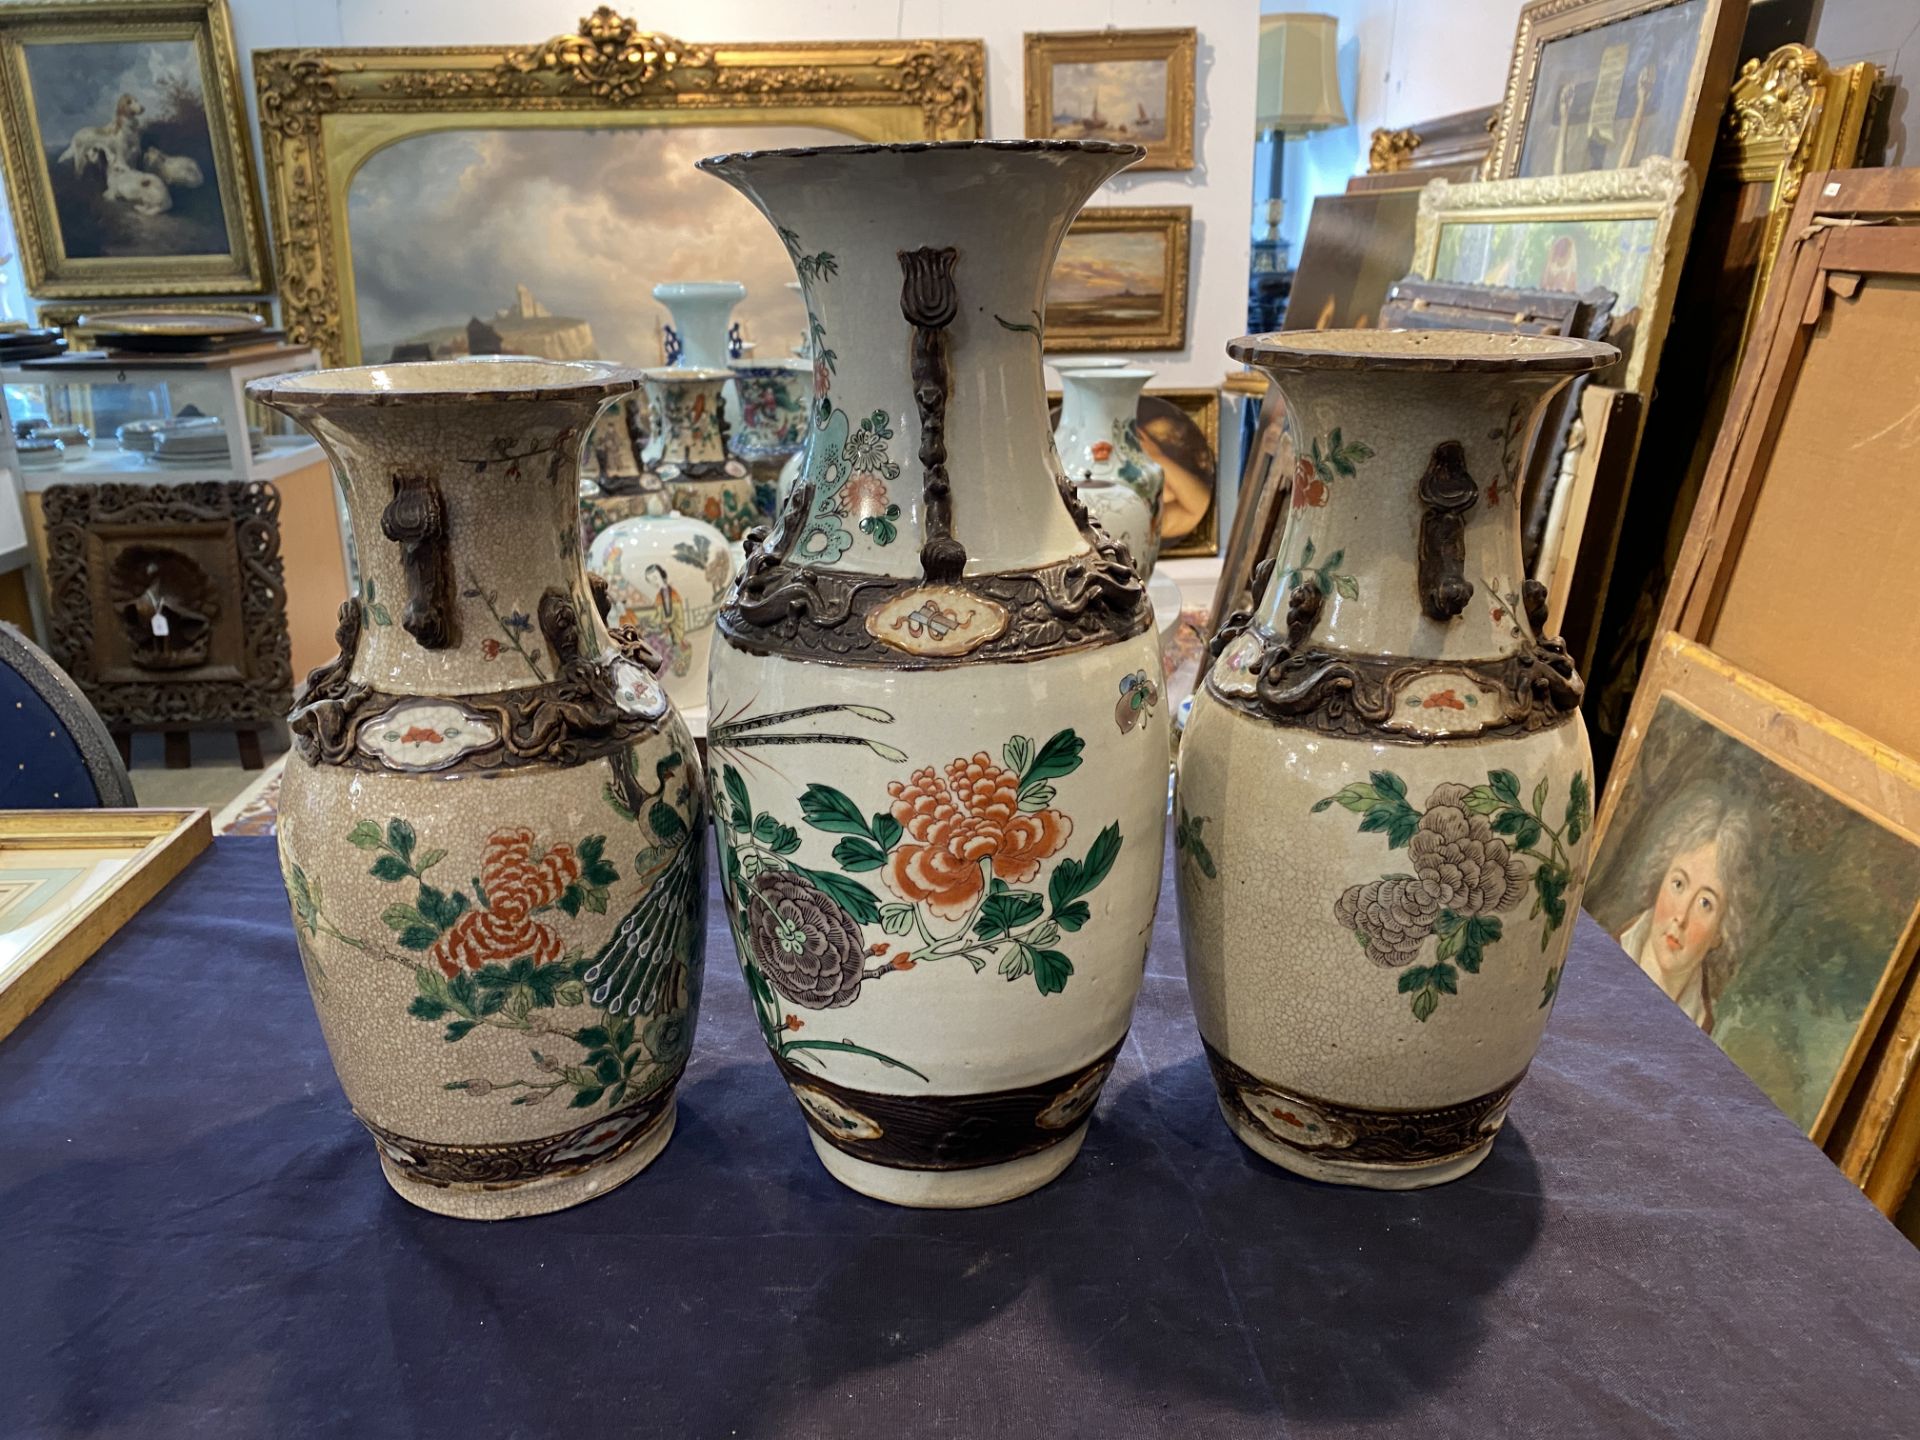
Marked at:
<point>937,752</point>
<point>1384,790</point>
<point>492,828</point>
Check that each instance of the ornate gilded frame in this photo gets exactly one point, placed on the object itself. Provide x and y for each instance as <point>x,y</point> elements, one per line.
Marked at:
<point>1168,331</point>
<point>1544,21</point>
<point>49,273</point>
<point>1657,189</point>
<point>1179,48</point>
<point>323,113</point>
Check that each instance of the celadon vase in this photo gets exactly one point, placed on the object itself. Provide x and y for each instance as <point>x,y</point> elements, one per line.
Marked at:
<point>701,335</point>
<point>686,455</point>
<point>938,754</point>
<point>492,823</point>
<point>666,574</point>
<point>1385,791</point>
<point>1099,437</point>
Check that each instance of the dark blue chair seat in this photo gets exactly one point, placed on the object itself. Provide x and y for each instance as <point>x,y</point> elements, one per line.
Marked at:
<point>55,752</point>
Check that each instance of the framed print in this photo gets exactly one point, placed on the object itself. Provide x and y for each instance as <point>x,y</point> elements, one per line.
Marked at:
<point>69,879</point>
<point>1604,84</point>
<point>400,180</point>
<point>1134,86</point>
<point>1120,281</point>
<point>1756,859</point>
<point>126,149</point>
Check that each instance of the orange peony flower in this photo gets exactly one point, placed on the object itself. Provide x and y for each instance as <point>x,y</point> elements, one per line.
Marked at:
<point>517,884</point>
<point>1308,487</point>
<point>957,823</point>
<point>866,495</point>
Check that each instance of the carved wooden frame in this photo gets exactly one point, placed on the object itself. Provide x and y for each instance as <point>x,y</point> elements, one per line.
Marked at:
<point>325,112</point>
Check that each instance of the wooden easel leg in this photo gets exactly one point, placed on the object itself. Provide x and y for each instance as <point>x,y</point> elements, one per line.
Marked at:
<point>179,750</point>
<point>250,757</point>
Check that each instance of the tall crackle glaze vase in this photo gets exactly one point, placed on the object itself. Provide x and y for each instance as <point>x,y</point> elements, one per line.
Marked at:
<point>937,755</point>
<point>492,830</point>
<point>1385,789</point>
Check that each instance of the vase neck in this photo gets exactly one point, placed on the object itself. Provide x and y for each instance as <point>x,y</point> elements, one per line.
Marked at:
<point>687,421</point>
<point>927,370</point>
<point>702,326</point>
<point>1404,513</point>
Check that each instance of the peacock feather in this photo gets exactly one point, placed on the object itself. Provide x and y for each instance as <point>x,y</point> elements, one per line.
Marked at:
<point>643,966</point>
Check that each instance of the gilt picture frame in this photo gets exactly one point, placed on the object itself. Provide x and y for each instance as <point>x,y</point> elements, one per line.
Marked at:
<point>127,154</point>
<point>1127,85</point>
<point>327,113</point>
<point>1120,281</point>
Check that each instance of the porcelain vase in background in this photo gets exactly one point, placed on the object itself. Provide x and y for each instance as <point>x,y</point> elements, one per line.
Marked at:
<point>666,575</point>
<point>701,336</point>
<point>686,454</point>
<point>937,748</point>
<point>775,397</point>
<point>1099,437</point>
<point>492,825</point>
<point>1385,790</point>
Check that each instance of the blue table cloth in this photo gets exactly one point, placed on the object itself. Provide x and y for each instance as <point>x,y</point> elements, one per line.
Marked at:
<point>198,1242</point>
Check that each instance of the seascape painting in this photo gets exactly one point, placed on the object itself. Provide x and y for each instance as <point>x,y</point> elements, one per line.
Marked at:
<point>1123,100</point>
<point>549,242</point>
<point>130,158</point>
<point>1769,910</point>
<point>1607,98</point>
<point>1108,281</point>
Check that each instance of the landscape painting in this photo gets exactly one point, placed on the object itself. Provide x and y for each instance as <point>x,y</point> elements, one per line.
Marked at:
<point>1133,87</point>
<point>549,242</point>
<point>1123,100</point>
<point>1120,281</point>
<point>1770,911</point>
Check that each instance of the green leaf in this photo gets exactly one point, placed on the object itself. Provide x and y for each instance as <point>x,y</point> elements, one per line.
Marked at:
<point>401,917</point>
<point>1414,977</point>
<point>389,867</point>
<point>439,909</point>
<point>1387,783</point>
<point>400,838</point>
<point>1357,451</point>
<point>736,788</point>
<point>850,895</point>
<point>785,841</point>
<point>896,919</point>
<point>1073,878</point>
<point>1059,756</point>
<point>571,899</point>
<point>596,899</point>
<point>1072,917</point>
<point>1481,800</point>
<point>1035,796</point>
<point>1050,971</point>
<point>1003,913</point>
<point>591,849</point>
<point>1506,785</point>
<point>1203,857</point>
<point>826,808</point>
<point>1444,978</point>
<point>886,830</point>
<point>858,854</point>
<point>1552,986</point>
<point>366,835</point>
<point>418,937</point>
<point>457,1029</point>
<point>424,1009</point>
<point>381,615</point>
<point>1424,1004</point>
<point>1017,961</point>
<point>1015,754</point>
<point>1550,882</point>
<point>1448,947</point>
<point>1306,555</point>
<point>1540,797</point>
<point>1478,933</point>
<point>1347,586</point>
<point>1578,800</point>
<point>1356,797</point>
<point>570,992</point>
<point>429,860</point>
<point>585,1098</point>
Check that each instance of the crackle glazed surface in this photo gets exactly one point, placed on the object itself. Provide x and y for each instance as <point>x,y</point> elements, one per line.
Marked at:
<point>937,740</point>
<point>492,842</point>
<point>1382,813</point>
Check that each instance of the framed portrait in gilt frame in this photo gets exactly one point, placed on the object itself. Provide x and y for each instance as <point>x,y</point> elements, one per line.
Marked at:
<point>1120,281</point>
<point>126,149</point>
<point>1134,86</point>
<point>1605,84</point>
<point>403,182</point>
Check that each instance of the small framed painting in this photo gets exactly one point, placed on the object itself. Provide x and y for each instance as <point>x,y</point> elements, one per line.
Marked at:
<point>1132,86</point>
<point>1120,281</point>
<point>127,155</point>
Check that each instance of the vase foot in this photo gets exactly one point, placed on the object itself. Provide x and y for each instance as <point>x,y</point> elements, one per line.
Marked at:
<point>950,1189</point>
<point>1355,1172</point>
<point>533,1197</point>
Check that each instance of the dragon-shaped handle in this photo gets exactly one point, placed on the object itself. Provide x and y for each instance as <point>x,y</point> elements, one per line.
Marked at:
<point>416,520</point>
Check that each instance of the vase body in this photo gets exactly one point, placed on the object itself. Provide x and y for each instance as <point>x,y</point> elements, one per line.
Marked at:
<point>1099,436</point>
<point>1384,786</point>
<point>666,574</point>
<point>686,455</point>
<point>1124,515</point>
<point>492,827</point>
<point>935,720</point>
<point>775,399</point>
<point>701,336</point>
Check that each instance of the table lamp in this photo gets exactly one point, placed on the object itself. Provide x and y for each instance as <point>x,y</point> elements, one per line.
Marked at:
<point>1298,91</point>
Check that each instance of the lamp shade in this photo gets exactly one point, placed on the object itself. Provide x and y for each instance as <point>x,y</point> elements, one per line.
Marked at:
<point>1299,85</point>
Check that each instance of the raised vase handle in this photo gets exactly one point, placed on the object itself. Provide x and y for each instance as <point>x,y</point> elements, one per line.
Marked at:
<point>1447,493</point>
<point>929,301</point>
<point>416,520</point>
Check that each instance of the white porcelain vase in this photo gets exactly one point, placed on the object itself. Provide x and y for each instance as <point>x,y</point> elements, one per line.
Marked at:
<point>1099,436</point>
<point>666,574</point>
<point>935,722</point>
<point>1384,789</point>
<point>701,335</point>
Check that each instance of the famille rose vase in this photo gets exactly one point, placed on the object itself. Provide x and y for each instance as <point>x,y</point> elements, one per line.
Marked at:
<point>666,574</point>
<point>1384,791</point>
<point>702,335</point>
<point>937,751</point>
<point>492,831</point>
<point>686,455</point>
<point>1099,439</point>
<point>775,399</point>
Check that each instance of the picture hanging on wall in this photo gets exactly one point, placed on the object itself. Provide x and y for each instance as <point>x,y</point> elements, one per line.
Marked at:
<point>126,149</point>
<point>1120,281</point>
<point>1132,86</point>
<point>1604,84</point>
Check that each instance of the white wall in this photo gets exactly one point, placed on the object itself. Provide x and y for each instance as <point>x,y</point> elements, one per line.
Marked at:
<point>1217,187</point>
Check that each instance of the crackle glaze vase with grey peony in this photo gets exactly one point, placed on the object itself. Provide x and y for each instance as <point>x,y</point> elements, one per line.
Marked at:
<point>937,755</point>
<point>1385,791</point>
<point>492,827</point>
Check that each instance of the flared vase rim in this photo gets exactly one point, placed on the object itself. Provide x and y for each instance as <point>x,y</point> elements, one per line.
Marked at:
<point>714,163</point>
<point>753,369</point>
<point>462,381</point>
<point>1429,351</point>
<point>683,374</point>
<point>1117,377</point>
<point>699,290</point>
